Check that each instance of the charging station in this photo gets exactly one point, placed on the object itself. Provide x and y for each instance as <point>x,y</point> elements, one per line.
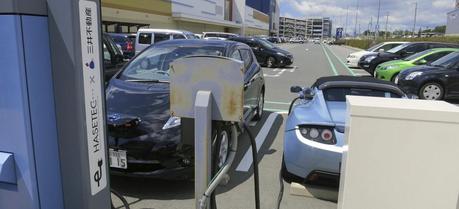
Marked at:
<point>52,147</point>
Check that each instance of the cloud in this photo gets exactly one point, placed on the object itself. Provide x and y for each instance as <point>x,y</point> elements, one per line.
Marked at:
<point>431,13</point>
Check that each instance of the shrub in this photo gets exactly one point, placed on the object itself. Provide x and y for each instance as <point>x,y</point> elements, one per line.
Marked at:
<point>367,43</point>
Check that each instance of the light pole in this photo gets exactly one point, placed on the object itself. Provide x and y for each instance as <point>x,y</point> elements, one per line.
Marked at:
<point>387,21</point>
<point>356,20</point>
<point>377,20</point>
<point>347,18</point>
<point>415,16</point>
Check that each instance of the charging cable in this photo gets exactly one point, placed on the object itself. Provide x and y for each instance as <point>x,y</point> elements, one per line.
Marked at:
<point>255,167</point>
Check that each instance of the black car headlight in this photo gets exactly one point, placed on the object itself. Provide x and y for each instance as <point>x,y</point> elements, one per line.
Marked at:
<point>321,134</point>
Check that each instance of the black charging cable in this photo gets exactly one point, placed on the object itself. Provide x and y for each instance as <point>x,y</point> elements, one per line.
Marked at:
<point>123,200</point>
<point>281,190</point>
<point>255,167</point>
<point>291,105</point>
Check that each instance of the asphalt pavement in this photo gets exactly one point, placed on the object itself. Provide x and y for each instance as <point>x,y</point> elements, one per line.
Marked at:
<point>311,62</point>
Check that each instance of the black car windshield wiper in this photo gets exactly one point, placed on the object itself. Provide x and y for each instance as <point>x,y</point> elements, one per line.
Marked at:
<point>146,81</point>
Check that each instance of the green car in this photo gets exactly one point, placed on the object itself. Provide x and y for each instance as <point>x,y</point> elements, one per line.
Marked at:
<point>389,70</point>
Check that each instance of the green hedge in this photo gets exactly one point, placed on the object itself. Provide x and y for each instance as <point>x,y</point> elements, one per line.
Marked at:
<point>366,43</point>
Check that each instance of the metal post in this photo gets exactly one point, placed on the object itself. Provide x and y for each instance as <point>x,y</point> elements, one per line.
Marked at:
<point>387,21</point>
<point>415,17</point>
<point>202,149</point>
<point>377,21</point>
<point>356,19</point>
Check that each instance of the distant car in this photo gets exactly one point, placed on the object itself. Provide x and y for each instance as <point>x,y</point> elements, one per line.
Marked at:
<point>148,36</point>
<point>315,128</point>
<point>274,40</point>
<point>126,42</point>
<point>218,35</point>
<point>435,81</point>
<point>353,59</point>
<point>144,140</point>
<point>371,61</point>
<point>113,57</point>
<point>267,53</point>
<point>316,41</point>
<point>389,70</point>
<point>297,40</point>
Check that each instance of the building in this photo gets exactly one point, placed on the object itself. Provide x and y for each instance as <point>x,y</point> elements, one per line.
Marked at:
<point>234,16</point>
<point>452,25</point>
<point>274,18</point>
<point>290,27</point>
<point>319,28</point>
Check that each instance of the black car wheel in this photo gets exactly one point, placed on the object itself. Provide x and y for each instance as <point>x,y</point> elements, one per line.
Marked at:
<point>431,91</point>
<point>260,106</point>
<point>221,146</point>
<point>270,62</point>
<point>393,78</point>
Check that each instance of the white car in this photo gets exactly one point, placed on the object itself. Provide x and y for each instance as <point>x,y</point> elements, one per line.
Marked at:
<point>148,36</point>
<point>353,59</point>
<point>217,35</point>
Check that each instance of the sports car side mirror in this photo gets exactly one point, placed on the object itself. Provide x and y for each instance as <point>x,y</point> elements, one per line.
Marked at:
<point>308,93</point>
<point>295,89</point>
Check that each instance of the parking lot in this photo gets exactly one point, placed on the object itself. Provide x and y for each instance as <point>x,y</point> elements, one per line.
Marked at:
<point>311,62</point>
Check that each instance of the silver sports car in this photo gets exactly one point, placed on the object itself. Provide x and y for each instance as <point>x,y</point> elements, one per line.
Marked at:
<point>314,132</point>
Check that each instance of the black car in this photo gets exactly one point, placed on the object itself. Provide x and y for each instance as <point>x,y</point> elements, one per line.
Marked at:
<point>113,58</point>
<point>140,128</point>
<point>274,40</point>
<point>369,62</point>
<point>127,43</point>
<point>435,81</point>
<point>267,53</point>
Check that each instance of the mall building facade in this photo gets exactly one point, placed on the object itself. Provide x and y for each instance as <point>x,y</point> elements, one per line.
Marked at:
<point>249,17</point>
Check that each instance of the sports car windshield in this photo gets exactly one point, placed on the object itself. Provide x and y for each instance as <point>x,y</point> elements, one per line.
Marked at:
<point>153,63</point>
<point>339,94</point>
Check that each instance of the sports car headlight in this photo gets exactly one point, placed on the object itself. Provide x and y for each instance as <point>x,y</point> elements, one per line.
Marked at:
<point>370,58</point>
<point>172,122</point>
<point>413,75</point>
<point>319,134</point>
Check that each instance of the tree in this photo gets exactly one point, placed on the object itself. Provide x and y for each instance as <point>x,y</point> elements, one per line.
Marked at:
<point>440,29</point>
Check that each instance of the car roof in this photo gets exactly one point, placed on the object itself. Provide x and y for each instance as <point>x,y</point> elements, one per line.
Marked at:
<point>324,83</point>
<point>198,42</point>
<point>395,42</point>
<point>219,33</point>
<point>157,30</point>
<point>444,49</point>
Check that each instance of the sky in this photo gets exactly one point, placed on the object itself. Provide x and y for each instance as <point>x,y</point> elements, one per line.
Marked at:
<point>431,13</point>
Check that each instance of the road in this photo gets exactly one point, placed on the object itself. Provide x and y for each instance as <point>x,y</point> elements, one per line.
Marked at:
<point>311,62</point>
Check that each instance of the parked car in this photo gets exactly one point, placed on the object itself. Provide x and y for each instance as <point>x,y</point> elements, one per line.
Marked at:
<point>126,42</point>
<point>389,70</point>
<point>315,128</point>
<point>353,59</point>
<point>218,35</point>
<point>267,53</point>
<point>141,132</point>
<point>316,41</point>
<point>296,40</point>
<point>148,36</point>
<point>274,40</point>
<point>369,62</point>
<point>435,81</point>
<point>113,57</point>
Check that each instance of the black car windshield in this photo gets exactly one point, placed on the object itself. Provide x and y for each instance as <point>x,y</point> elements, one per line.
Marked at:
<point>373,48</point>
<point>398,48</point>
<point>266,44</point>
<point>153,63</point>
<point>339,94</point>
<point>447,61</point>
<point>417,55</point>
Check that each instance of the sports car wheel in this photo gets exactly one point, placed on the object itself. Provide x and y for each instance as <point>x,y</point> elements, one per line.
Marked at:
<point>288,177</point>
<point>221,146</point>
<point>431,91</point>
<point>270,62</point>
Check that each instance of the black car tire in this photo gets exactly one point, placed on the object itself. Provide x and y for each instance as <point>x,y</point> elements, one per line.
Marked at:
<point>261,102</point>
<point>393,78</point>
<point>221,143</point>
<point>270,62</point>
<point>288,177</point>
<point>437,92</point>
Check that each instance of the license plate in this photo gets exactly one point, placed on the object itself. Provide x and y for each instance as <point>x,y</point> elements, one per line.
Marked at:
<point>118,158</point>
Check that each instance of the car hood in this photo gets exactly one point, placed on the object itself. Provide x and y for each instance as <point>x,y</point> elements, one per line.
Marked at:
<point>281,51</point>
<point>149,103</point>
<point>422,68</point>
<point>360,53</point>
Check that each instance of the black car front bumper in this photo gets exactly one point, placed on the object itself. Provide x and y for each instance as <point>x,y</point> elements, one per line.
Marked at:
<point>410,87</point>
<point>285,60</point>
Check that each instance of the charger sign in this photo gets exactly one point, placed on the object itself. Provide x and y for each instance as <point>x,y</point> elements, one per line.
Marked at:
<point>93,95</point>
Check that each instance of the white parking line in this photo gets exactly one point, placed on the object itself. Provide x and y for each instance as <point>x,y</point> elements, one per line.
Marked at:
<point>247,160</point>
